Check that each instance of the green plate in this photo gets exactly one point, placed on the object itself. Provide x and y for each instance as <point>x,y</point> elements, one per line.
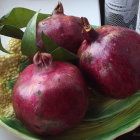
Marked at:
<point>106,119</point>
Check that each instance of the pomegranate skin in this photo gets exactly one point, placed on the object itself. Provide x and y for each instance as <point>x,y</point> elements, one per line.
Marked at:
<point>112,61</point>
<point>63,29</point>
<point>49,101</point>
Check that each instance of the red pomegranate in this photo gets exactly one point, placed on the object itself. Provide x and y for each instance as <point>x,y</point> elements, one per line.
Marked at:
<point>110,58</point>
<point>63,29</point>
<point>50,97</point>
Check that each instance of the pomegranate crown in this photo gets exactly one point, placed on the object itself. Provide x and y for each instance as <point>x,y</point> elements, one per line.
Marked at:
<point>58,9</point>
<point>42,60</point>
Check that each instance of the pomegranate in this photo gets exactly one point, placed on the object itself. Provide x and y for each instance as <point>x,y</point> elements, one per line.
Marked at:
<point>110,58</point>
<point>50,97</point>
<point>63,29</point>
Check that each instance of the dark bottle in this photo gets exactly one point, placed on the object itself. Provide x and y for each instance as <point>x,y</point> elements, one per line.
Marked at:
<point>121,13</point>
<point>102,11</point>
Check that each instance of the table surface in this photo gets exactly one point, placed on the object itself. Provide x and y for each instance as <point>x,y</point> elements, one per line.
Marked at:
<point>79,8</point>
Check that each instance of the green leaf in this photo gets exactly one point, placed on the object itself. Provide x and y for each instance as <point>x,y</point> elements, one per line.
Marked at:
<point>19,17</point>
<point>62,54</point>
<point>58,52</point>
<point>94,26</point>
<point>11,31</point>
<point>2,48</point>
<point>28,44</point>
<point>49,44</point>
<point>10,84</point>
<point>24,64</point>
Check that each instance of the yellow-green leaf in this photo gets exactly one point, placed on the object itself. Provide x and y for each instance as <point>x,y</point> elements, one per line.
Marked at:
<point>28,44</point>
<point>19,17</point>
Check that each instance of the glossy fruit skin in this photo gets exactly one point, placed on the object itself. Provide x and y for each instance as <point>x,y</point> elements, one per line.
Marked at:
<point>63,29</point>
<point>50,101</point>
<point>112,61</point>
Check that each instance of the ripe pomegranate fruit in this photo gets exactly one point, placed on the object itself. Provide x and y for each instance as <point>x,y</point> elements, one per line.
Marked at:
<point>63,29</point>
<point>110,58</point>
<point>50,97</point>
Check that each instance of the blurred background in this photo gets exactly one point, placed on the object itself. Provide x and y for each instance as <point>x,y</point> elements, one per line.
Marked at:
<point>123,13</point>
